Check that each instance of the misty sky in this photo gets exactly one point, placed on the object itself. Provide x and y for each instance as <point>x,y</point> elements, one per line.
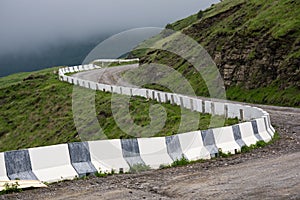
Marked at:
<point>32,23</point>
<point>35,34</point>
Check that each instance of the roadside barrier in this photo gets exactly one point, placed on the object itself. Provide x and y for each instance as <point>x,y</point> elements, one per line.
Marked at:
<point>67,161</point>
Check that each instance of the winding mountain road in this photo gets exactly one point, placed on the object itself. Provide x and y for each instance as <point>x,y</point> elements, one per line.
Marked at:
<point>272,172</point>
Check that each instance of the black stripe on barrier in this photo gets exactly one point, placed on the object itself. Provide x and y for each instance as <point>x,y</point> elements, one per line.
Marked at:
<point>209,142</point>
<point>18,165</point>
<point>255,130</point>
<point>131,152</point>
<point>173,147</point>
<point>81,158</point>
<point>237,135</point>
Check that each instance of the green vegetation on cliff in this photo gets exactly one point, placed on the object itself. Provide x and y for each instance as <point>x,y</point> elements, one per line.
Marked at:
<point>255,45</point>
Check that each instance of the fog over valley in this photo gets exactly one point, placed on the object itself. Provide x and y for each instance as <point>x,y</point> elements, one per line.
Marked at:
<point>37,34</point>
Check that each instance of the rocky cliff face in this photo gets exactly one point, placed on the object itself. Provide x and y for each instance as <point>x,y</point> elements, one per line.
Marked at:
<point>248,54</point>
<point>257,62</point>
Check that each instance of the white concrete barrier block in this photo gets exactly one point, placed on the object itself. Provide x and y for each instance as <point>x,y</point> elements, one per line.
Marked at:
<point>152,94</point>
<point>103,87</point>
<point>76,69</point>
<point>82,83</point>
<point>187,103</point>
<point>71,70</point>
<point>107,155</point>
<point>162,97</point>
<point>75,81</point>
<point>248,112</point>
<point>89,84</point>
<point>60,72</point>
<point>153,152</point>
<point>234,110</point>
<point>115,89</point>
<point>270,128</point>
<point>219,108</point>
<point>256,113</point>
<point>109,88</point>
<point>65,78</point>
<point>126,91</point>
<point>247,133</point>
<point>93,85</point>
<point>70,79</point>
<point>262,130</point>
<point>85,67</point>
<point>259,112</point>
<point>143,93</point>
<point>225,141</point>
<point>67,70</point>
<point>198,105</point>
<point>169,97</point>
<point>91,67</point>
<point>3,175</point>
<point>100,87</point>
<point>140,92</point>
<point>80,68</point>
<point>52,163</point>
<point>208,107</point>
<point>79,82</point>
<point>192,146</point>
<point>176,99</point>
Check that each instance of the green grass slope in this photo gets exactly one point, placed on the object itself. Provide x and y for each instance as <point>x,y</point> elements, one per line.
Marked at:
<point>255,44</point>
<point>36,110</point>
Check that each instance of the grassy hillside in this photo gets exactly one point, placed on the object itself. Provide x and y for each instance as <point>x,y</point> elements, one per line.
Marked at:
<point>255,44</point>
<point>36,110</point>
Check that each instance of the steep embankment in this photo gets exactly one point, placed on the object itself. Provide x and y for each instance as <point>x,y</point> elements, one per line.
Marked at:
<point>255,44</point>
<point>36,110</point>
